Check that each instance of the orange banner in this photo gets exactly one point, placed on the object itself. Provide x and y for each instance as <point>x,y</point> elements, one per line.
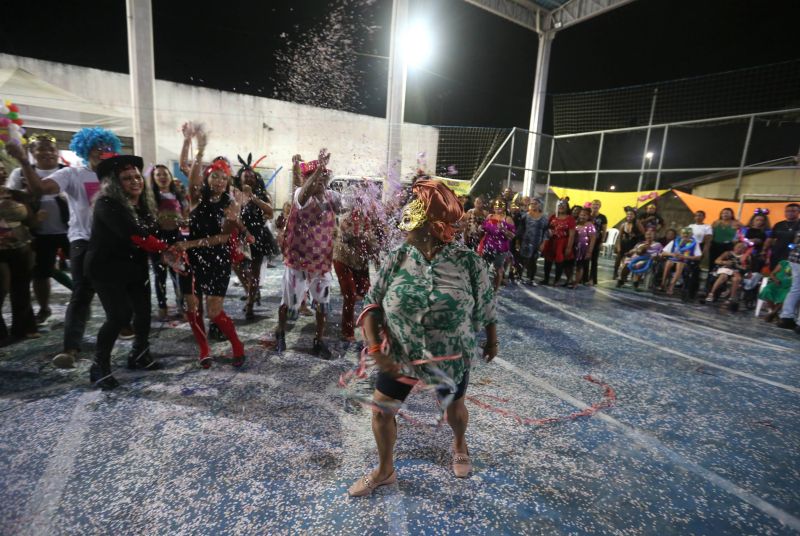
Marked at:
<point>712,207</point>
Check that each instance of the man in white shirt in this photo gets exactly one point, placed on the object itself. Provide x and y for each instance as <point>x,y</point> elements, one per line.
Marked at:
<point>80,185</point>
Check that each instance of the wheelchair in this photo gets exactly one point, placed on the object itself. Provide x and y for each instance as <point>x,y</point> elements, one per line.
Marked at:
<point>747,294</point>
<point>687,284</point>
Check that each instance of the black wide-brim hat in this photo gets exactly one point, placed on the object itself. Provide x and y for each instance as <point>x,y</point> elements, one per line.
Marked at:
<point>111,163</point>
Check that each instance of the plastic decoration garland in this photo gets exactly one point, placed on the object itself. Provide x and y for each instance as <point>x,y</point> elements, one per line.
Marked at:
<point>10,124</point>
<point>640,264</point>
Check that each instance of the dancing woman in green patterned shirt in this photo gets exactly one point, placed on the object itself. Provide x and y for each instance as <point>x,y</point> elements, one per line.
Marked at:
<point>431,297</point>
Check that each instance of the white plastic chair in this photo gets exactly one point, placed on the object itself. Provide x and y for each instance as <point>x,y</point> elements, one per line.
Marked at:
<point>760,303</point>
<point>611,241</point>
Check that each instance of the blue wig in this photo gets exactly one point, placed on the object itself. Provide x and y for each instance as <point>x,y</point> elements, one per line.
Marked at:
<point>88,138</point>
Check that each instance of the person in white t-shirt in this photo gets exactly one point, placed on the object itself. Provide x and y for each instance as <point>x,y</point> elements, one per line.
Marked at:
<point>52,214</point>
<point>702,232</point>
<point>680,252</point>
<point>80,185</point>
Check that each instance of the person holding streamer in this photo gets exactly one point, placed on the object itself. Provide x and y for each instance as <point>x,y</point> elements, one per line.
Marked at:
<point>430,298</point>
<point>308,251</point>
<point>212,219</point>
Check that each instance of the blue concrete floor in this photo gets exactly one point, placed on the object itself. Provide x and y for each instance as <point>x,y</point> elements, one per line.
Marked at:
<point>703,438</point>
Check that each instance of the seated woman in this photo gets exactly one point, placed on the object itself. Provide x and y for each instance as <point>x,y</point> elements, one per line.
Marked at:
<point>731,265</point>
<point>780,281</point>
<point>649,248</point>
<point>679,253</point>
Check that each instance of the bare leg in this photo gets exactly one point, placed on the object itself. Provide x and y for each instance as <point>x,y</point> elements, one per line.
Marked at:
<point>718,283</point>
<point>458,418</point>
<point>677,275</point>
<point>665,276</point>
<point>384,428</point>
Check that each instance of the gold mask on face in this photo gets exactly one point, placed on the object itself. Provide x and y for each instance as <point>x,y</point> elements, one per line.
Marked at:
<point>413,216</point>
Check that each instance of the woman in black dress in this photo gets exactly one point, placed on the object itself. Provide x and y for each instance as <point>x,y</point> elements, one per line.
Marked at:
<point>629,236</point>
<point>256,210</point>
<point>212,219</point>
<point>124,219</point>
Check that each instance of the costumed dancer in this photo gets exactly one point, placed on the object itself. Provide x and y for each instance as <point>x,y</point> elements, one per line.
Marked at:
<point>212,219</point>
<point>430,298</point>
<point>173,210</point>
<point>80,184</point>
<point>52,213</point>
<point>256,210</point>
<point>124,221</point>
<point>558,246</point>
<point>585,239</point>
<point>356,244</point>
<point>308,251</point>
<point>495,246</point>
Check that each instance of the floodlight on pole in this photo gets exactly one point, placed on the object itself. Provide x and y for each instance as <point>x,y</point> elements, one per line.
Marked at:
<point>417,44</point>
<point>649,155</point>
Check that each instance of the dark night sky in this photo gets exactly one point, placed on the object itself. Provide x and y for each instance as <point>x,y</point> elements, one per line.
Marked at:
<point>482,70</point>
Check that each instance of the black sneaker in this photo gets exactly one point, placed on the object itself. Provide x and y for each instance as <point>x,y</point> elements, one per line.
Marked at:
<point>42,316</point>
<point>320,349</point>
<point>238,361</point>
<point>138,359</point>
<point>106,381</point>
<point>280,342</point>
<point>786,323</point>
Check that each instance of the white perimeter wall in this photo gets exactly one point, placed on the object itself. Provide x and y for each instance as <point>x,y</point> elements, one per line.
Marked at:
<point>239,124</point>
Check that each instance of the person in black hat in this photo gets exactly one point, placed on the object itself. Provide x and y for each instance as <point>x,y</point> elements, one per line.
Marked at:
<point>124,219</point>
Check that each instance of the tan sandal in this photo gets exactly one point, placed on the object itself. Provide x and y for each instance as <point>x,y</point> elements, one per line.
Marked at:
<point>365,486</point>
<point>462,465</point>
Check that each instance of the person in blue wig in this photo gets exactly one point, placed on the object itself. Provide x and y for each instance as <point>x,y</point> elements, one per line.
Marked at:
<point>80,185</point>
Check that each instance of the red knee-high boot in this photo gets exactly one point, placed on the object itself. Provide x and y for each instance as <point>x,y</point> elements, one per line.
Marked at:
<point>199,330</point>
<point>226,326</point>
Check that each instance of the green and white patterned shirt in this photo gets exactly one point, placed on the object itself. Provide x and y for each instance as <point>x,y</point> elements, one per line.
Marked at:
<point>436,306</point>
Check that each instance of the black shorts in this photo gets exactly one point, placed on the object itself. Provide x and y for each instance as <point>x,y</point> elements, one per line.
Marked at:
<point>45,248</point>
<point>389,386</point>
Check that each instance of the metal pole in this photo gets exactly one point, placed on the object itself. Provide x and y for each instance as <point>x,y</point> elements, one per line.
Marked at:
<point>537,106</point>
<point>143,78</point>
<point>661,156</point>
<point>396,96</point>
<point>511,158</point>
<point>549,173</point>
<point>743,161</point>
<point>497,152</point>
<point>647,139</point>
<point>597,165</point>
